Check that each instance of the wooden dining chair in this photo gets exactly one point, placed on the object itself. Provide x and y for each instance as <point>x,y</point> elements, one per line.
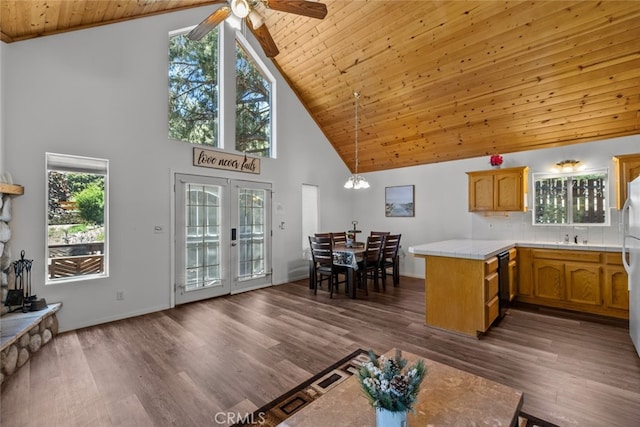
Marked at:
<point>323,267</point>
<point>379,233</point>
<point>369,267</point>
<point>390,259</point>
<point>339,238</point>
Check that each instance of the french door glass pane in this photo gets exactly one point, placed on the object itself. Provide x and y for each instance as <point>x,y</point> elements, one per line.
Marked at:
<point>251,262</point>
<point>203,236</point>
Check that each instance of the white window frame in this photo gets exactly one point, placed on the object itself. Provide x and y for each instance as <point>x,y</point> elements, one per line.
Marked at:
<point>570,223</point>
<point>79,164</point>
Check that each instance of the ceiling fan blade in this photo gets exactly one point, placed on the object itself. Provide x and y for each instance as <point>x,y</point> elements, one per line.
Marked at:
<point>209,23</point>
<point>299,7</point>
<point>264,37</point>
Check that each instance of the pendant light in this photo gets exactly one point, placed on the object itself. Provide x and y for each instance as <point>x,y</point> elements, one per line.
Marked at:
<point>355,181</point>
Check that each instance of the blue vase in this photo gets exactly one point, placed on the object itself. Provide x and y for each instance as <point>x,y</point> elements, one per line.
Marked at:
<point>386,418</point>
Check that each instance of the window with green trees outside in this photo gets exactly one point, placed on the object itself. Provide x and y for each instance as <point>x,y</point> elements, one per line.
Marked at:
<point>76,217</point>
<point>196,94</point>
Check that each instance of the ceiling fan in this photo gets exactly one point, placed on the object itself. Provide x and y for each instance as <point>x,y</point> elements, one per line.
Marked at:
<point>255,21</point>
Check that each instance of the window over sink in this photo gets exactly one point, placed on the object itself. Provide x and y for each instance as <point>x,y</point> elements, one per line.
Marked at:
<point>571,198</point>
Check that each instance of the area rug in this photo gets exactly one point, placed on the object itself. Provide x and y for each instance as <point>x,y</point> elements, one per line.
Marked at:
<point>278,410</point>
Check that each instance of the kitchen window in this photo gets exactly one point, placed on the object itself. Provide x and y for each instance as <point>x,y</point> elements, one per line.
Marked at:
<point>571,198</point>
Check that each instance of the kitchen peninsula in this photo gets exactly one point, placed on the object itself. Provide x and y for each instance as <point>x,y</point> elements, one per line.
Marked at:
<point>461,283</point>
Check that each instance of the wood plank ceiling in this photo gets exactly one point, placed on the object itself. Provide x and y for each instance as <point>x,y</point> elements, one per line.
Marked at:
<point>439,80</point>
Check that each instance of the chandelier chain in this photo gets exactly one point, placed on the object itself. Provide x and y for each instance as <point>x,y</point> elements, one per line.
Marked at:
<point>357,96</point>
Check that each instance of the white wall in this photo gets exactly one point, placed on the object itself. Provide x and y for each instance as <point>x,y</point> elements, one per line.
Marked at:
<point>441,200</point>
<point>102,92</point>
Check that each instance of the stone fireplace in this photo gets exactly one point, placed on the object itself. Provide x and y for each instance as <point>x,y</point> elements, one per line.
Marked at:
<point>22,334</point>
<point>7,191</point>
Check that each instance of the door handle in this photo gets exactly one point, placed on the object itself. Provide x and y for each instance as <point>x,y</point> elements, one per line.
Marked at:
<point>233,243</point>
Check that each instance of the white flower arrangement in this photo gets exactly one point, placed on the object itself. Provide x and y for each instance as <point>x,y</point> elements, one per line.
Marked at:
<point>387,386</point>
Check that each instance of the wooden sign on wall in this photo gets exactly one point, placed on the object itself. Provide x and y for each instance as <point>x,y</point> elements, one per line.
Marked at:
<point>227,161</point>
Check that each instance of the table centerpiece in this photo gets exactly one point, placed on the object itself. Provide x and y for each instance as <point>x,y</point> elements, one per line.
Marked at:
<point>391,387</point>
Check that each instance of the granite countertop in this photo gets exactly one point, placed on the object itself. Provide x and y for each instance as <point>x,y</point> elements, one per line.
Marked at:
<point>484,249</point>
<point>464,248</point>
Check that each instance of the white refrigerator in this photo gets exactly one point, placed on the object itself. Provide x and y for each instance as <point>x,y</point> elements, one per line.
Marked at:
<point>631,246</point>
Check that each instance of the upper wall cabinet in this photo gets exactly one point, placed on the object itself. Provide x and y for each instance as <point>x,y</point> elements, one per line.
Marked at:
<point>498,190</point>
<point>627,169</point>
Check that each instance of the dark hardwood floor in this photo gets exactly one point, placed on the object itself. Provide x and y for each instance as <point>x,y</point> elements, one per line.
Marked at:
<point>191,365</point>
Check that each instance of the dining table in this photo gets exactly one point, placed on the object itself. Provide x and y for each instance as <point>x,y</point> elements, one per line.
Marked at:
<point>345,256</point>
<point>349,256</point>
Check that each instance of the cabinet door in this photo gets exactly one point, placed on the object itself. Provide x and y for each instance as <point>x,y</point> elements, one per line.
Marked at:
<point>508,194</point>
<point>525,271</point>
<point>627,169</point>
<point>513,279</point>
<point>583,283</point>
<point>481,193</point>
<point>616,288</point>
<point>549,279</point>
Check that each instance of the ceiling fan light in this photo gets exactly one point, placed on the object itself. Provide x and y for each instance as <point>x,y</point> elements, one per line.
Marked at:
<point>240,8</point>
<point>256,19</point>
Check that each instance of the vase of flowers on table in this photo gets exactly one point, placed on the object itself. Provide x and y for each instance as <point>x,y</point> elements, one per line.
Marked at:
<point>391,387</point>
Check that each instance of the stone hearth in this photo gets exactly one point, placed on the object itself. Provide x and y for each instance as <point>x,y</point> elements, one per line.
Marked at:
<point>23,334</point>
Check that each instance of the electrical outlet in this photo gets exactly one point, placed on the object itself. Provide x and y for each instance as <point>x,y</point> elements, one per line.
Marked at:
<point>119,295</point>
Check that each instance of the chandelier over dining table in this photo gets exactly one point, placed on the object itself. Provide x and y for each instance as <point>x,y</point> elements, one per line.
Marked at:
<point>355,181</point>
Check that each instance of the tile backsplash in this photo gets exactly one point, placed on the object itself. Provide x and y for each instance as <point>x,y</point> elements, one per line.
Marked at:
<point>518,226</point>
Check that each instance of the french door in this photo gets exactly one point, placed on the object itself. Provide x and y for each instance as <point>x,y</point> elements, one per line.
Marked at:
<point>223,236</point>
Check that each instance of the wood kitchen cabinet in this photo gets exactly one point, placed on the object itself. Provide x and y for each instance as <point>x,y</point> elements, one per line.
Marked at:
<point>461,294</point>
<point>513,274</point>
<point>627,169</point>
<point>585,281</point>
<point>548,279</point>
<point>616,284</point>
<point>498,190</point>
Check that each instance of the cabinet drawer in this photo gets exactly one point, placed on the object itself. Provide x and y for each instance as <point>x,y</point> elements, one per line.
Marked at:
<point>512,254</point>
<point>614,258</point>
<point>490,265</point>
<point>491,311</point>
<point>567,255</point>
<point>490,286</point>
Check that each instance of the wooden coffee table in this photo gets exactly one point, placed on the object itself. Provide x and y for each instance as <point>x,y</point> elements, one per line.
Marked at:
<point>448,396</point>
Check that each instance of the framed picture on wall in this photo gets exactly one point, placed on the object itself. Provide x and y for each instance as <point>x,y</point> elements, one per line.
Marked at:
<point>398,201</point>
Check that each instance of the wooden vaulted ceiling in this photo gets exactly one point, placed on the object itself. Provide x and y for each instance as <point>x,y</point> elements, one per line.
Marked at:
<point>439,80</point>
